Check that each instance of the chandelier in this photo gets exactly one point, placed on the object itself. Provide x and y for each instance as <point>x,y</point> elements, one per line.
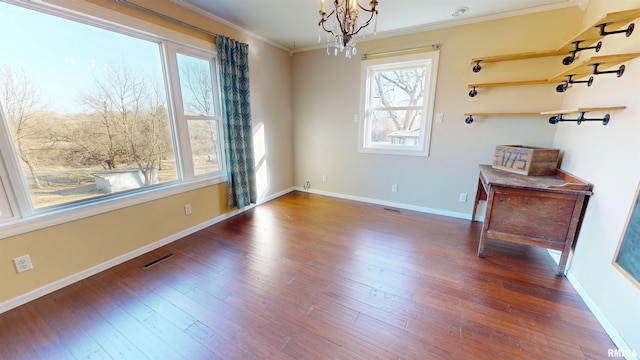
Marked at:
<point>345,24</point>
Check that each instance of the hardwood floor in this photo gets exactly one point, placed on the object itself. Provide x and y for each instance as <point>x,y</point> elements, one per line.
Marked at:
<point>312,277</point>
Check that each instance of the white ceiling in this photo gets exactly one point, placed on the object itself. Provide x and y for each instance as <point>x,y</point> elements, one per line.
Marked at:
<point>293,24</point>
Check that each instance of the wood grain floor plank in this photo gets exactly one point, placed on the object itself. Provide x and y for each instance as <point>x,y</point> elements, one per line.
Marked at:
<point>312,277</point>
<point>68,327</point>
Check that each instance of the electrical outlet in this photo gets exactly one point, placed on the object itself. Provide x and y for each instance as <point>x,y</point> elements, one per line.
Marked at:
<point>187,209</point>
<point>22,263</point>
<point>307,184</point>
<point>463,197</point>
<point>324,178</point>
<point>394,188</point>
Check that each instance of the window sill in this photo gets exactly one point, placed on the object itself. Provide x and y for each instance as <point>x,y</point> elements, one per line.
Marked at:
<point>391,151</point>
<point>13,227</point>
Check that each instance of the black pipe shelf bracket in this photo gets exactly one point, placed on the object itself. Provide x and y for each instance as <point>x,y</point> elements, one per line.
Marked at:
<point>568,60</point>
<point>603,32</point>
<point>477,67</point>
<point>619,72</point>
<point>560,118</point>
<point>559,115</point>
<point>563,87</point>
<point>468,120</point>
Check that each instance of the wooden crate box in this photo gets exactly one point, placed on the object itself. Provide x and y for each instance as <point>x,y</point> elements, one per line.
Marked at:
<point>526,160</point>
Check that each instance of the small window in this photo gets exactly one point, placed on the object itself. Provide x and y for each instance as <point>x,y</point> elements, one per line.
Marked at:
<point>397,104</point>
<point>199,111</point>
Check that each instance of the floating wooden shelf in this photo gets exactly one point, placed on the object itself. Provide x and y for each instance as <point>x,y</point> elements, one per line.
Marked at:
<point>469,116</point>
<point>579,110</point>
<point>585,67</point>
<point>503,113</point>
<point>595,65</point>
<point>473,87</point>
<point>519,56</point>
<point>510,83</point>
<point>558,115</point>
<point>609,24</point>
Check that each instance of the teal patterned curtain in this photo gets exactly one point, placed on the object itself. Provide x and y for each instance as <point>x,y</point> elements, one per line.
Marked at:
<point>234,78</point>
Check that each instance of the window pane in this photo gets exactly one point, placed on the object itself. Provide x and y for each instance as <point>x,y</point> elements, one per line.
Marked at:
<point>397,88</point>
<point>196,90</point>
<point>196,86</point>
<point>399,127</point>
<point>203,135</point>
<point>86,107</point>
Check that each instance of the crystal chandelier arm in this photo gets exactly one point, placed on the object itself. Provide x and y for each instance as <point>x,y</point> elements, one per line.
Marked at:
<point>372,6</point>
<point>323,20</point>
<point>373,12</point>
<point>341,22</point>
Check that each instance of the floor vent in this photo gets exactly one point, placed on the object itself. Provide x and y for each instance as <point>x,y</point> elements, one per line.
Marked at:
<point>163,258</point>
<point>390,209</point>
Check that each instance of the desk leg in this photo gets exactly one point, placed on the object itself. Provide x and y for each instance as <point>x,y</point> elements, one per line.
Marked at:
<point>571,235</point>
<point>487,220</point>
<point>480,195</point>
<point>564,257</point>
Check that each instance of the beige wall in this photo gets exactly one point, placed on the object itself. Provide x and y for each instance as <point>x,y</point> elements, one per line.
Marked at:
<point>327,96</point>
<point>609,157</point>
<point>64,250</point>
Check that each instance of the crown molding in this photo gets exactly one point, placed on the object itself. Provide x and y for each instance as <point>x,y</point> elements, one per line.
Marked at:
<point>188,5</point>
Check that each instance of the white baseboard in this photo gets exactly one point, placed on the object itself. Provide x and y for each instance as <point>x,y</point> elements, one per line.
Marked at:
<point>389,203</point>
<point>595,310</point>
<point>59,284</point>
<point>600,316</point>
<point>275,196</point>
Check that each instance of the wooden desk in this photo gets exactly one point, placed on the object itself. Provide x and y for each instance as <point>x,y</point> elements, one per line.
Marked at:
<point>543,211</point>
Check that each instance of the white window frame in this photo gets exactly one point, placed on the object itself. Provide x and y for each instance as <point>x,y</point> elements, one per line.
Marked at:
<point>19,216</point>
<point>182,119</point>
<point>6,208</point>
<point>368,68</point>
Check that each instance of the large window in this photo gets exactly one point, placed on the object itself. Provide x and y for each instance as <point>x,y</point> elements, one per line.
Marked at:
<point>398,96</point>
<point>99,112</point>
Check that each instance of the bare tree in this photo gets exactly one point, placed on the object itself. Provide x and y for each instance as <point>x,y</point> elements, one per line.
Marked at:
<point>23,108</point>
<point>196,79</point>
<point>132,117</point>
<point>99,144</point>
<point>197,90</point>
<point>401,88</point>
